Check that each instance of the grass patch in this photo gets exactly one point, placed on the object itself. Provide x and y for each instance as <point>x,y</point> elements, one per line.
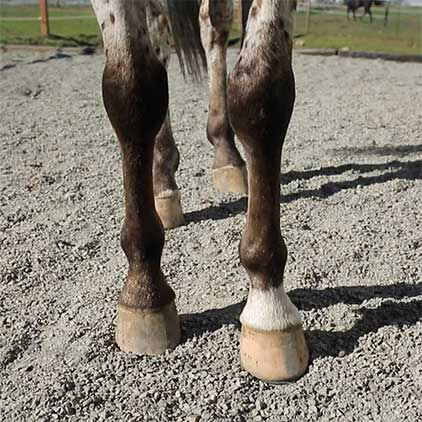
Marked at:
<point>81,29</point>
<point>33,11</point>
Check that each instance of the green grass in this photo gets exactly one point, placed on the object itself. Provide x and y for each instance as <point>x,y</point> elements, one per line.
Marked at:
<point>34,11</point>
<point>65,33</point>
<point>402,35</point>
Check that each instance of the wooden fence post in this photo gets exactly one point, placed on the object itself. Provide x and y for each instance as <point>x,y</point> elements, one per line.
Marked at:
<point>308,16</point>
<point>238,15</point>
<point>387,10</point>
<point>44,18</point>
<point>398,19</point>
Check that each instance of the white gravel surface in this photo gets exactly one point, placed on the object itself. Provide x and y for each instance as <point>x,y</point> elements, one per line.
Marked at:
<point>350,214</point>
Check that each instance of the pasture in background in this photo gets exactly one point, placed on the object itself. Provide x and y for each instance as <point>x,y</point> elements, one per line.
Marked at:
<point>324,24</point>
<point>320,24</point>
<point>71,24</point>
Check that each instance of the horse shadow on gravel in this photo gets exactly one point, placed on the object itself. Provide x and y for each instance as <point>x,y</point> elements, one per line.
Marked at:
<point>57,56</point>
<point>393,170</point>
<point>400,150</point>
<point>327,343</point>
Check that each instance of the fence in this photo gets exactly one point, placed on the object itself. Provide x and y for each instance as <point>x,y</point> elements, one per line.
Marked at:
<point>321,24</point>
<point>69,22</point>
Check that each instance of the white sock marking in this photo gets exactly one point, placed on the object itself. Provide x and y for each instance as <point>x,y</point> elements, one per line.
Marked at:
<point>269,310</point>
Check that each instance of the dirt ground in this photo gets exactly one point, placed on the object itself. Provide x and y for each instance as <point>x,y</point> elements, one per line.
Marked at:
<point>350,214</point>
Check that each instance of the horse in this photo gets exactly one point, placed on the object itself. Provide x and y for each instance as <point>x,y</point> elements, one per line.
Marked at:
<point>255,102</point>
<point>353,5</point>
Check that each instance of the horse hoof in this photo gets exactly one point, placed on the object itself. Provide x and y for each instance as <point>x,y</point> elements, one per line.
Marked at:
<point>169,209</point>
<point>274,356</point>
<point>148,331</point>
<point>231,179</point>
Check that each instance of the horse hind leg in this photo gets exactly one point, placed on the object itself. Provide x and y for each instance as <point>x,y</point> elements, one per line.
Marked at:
<point>166,191</point>
<point>229,171</point>
<point>370,15</point>
<point>166,154</point>
<point>135,95</point>
<point>260,101</point>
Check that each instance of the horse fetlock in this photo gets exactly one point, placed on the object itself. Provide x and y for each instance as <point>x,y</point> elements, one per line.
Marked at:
<point>146,287</point>
<point>142,243</point>
<point>269,309</point>
<point>221,136</point>
<point>264,258</point>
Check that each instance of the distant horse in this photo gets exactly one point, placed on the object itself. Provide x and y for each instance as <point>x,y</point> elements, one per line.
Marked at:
<point>353,5</point>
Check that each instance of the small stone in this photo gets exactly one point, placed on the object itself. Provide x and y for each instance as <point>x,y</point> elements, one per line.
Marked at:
<point>212,398</point>
<point>157,395</point>
<point>260,405</point>
<point>70,410</point>
<point>69,386</point>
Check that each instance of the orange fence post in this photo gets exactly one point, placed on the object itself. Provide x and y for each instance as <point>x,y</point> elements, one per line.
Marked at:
<point>44,17</point>
<point>238,17</point>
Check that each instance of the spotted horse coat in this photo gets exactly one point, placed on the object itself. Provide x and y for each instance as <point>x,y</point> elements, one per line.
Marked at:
<point>255,103</point>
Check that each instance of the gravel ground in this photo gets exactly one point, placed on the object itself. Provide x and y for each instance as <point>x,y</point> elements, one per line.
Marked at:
<point>350,213</point>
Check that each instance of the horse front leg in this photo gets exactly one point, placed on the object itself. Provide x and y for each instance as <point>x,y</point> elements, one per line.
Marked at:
<point>135,95</point>
<point>229,171</point>
<point>260,100</point>
<point>166,154</point>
